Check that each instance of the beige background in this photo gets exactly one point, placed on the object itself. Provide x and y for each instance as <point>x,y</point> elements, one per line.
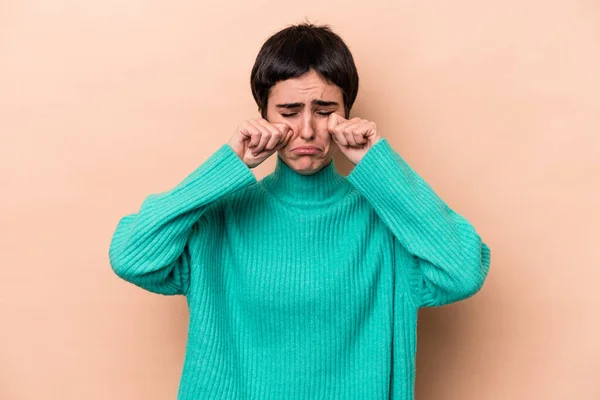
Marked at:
<point>496,104</point>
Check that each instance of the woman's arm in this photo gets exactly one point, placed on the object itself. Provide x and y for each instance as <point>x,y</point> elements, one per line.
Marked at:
<point>149,248</point>
<point>441,255</point>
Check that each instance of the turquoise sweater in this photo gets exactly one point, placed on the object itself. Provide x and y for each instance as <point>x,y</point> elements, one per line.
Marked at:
<point>301,287</point>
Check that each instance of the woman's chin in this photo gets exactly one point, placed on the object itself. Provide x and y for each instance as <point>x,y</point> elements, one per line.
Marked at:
<point>306,164</point>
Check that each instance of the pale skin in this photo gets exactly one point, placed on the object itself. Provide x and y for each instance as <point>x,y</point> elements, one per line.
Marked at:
<point>304,111</point>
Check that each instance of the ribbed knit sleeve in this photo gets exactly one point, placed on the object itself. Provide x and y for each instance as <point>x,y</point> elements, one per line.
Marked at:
<point>149,248</point>
<point>446,261</point>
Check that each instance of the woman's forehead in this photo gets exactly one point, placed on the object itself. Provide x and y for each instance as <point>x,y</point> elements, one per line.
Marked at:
<point>305,89</point>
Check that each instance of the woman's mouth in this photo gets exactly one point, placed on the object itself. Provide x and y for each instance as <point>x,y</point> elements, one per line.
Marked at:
<point>306,150</point>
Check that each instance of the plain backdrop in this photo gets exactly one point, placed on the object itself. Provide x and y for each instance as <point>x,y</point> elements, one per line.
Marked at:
<point>496,104</point>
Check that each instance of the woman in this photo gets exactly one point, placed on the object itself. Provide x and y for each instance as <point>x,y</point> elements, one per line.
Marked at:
<point>305,284</point>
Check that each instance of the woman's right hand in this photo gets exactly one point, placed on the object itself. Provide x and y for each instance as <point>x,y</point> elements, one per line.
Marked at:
<point>255,140</point>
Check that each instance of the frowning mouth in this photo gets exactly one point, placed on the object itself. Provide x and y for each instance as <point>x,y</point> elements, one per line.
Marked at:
<point>306,150</point>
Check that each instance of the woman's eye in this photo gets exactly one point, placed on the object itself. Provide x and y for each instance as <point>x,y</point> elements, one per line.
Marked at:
<point>323,113</point>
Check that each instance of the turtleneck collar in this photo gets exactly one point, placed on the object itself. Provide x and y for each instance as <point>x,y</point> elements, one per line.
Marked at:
<point>323,187</point>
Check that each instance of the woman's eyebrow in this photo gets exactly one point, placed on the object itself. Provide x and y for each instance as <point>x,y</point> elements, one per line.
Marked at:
<point>325,103</point>
<point>314,102</point>
<point>290,105</point>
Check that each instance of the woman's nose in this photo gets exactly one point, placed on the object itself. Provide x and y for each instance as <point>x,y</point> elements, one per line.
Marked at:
<point>308,128</point>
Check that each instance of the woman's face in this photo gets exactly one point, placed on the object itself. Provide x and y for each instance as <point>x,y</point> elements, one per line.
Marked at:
<point>304,103</point>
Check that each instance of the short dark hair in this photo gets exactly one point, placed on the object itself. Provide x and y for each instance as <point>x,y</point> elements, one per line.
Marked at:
<point>294,51</point>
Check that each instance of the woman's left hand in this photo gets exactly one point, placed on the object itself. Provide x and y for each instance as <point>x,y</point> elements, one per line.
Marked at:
<point>354,137</point>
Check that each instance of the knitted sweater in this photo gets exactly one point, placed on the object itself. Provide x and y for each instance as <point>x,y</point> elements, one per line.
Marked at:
<point>301,286</point>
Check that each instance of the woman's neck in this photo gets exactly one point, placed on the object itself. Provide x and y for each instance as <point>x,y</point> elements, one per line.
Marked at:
<point>320,188</point>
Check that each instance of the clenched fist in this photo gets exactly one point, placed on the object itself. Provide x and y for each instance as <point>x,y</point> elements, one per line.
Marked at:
<point>354,137</point>
<point>255,140</point>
